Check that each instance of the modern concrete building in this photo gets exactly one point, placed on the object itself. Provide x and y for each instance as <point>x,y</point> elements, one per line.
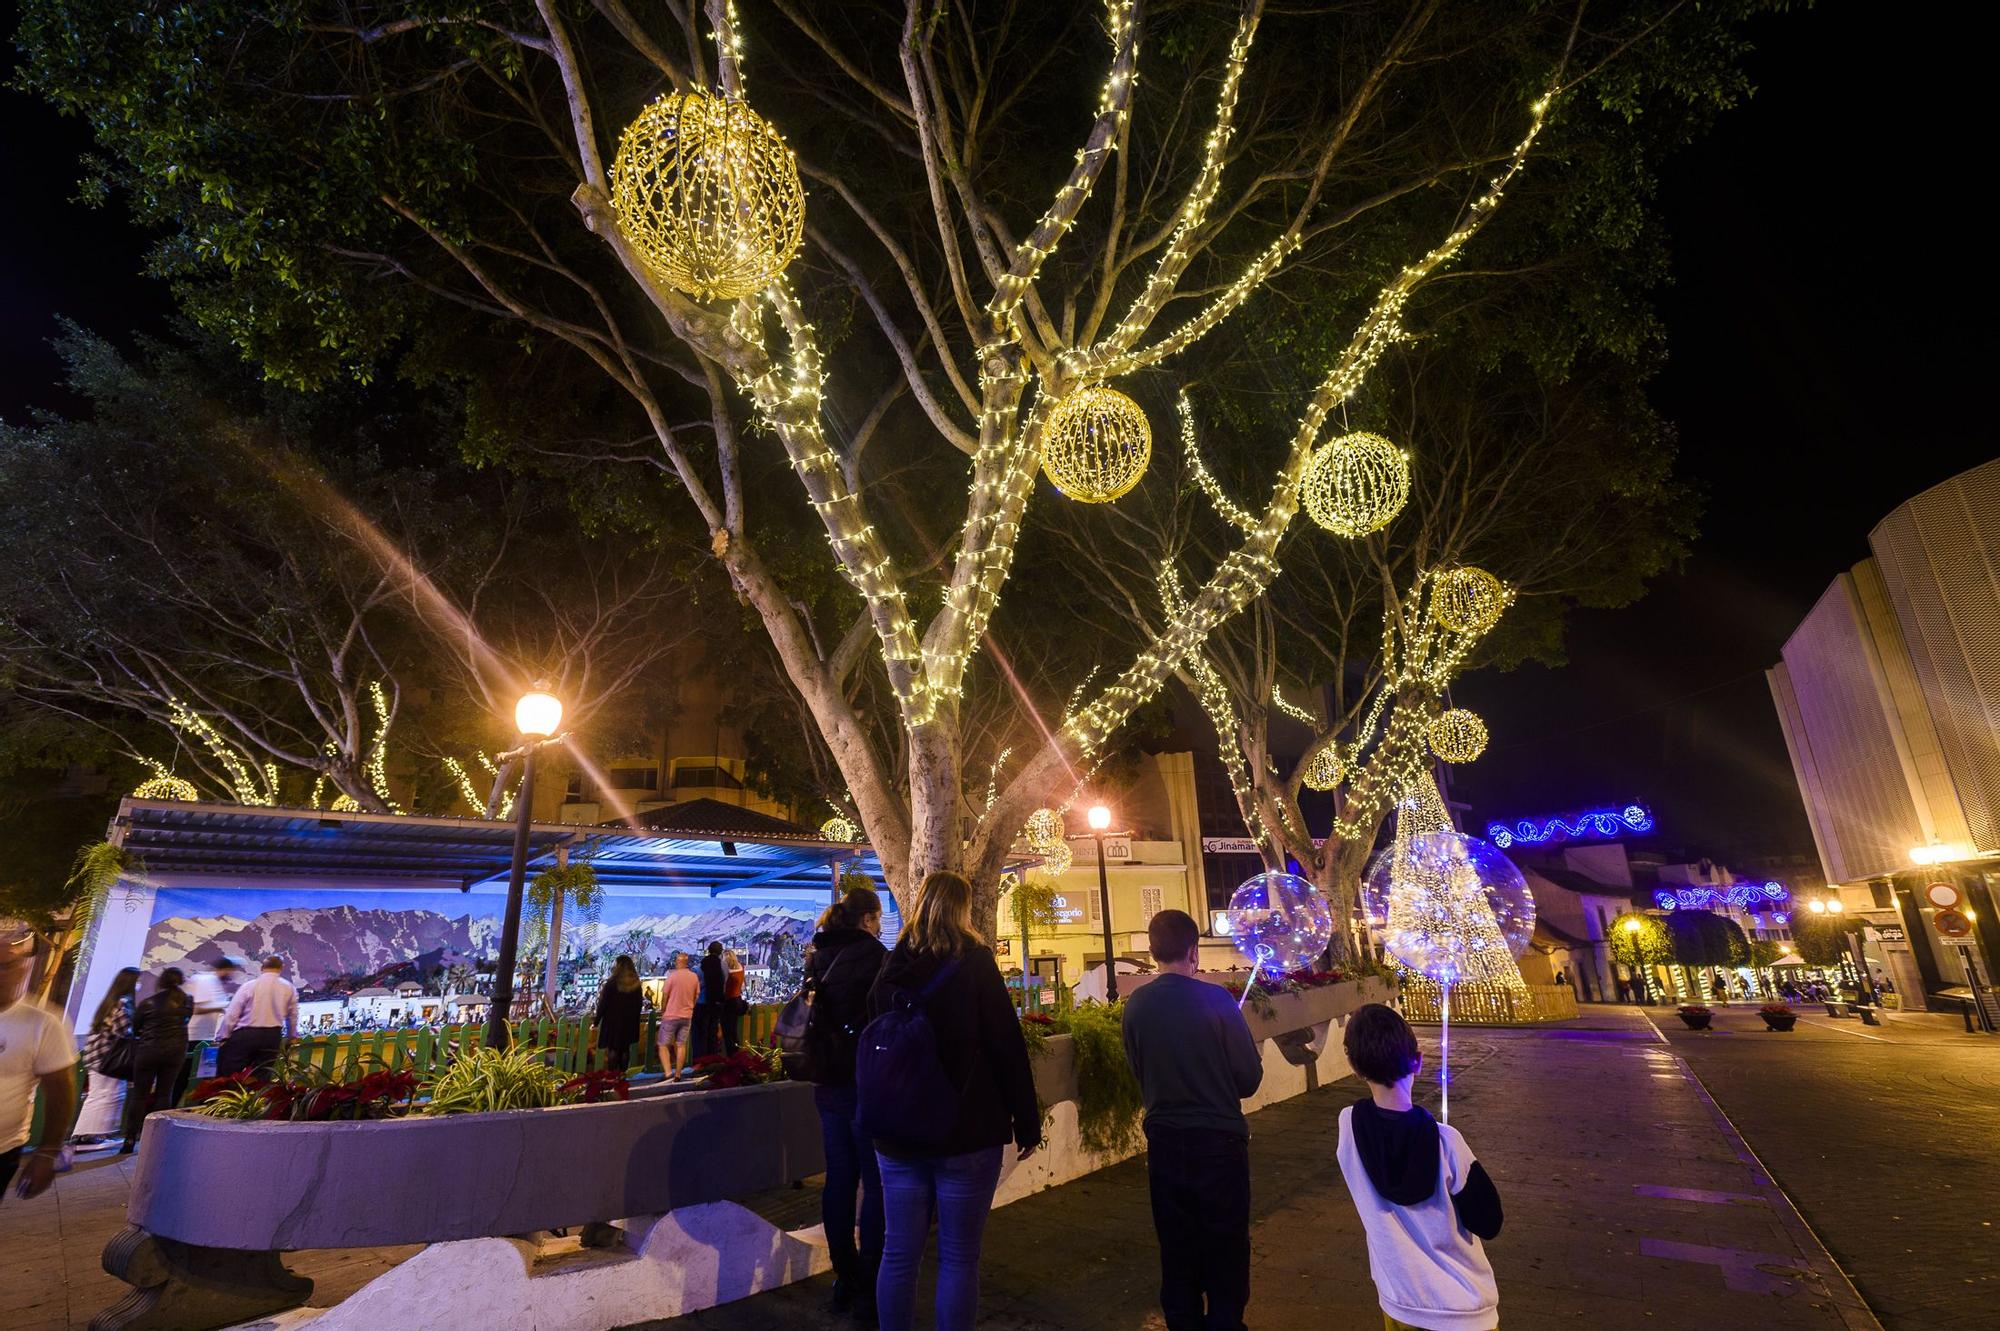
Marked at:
<point>1889,696</point>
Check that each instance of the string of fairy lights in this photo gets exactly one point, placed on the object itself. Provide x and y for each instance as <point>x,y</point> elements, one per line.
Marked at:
<point>708,195</point>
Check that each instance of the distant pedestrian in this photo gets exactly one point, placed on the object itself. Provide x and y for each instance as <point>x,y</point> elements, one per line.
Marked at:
<point>981,1095</point>
<point>1423,1198</point>
<point>1195,1060</point>
<point>617,1018</point>
<point>37,1053</point>
<point>211,991</point>
<point>160,1024</point>
<point>677,1002</point>
<point>1562,979</point>
<point>707,1033</point>
<point>733,1005</point>
<point>103,1114</point>
<point>262,1016</point>
<point>847,955</point>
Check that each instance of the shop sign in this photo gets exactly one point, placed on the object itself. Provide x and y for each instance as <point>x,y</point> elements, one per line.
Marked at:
<point>1070,907</point>
<point>1888,933</point>
<point>1238,845</point>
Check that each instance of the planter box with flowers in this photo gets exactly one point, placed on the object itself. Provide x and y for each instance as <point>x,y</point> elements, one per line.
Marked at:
<point>1695,1015</point>
<point>1778,1016</point>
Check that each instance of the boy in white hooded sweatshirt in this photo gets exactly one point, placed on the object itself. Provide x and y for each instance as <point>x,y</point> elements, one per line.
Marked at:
<point>1424,1200</point>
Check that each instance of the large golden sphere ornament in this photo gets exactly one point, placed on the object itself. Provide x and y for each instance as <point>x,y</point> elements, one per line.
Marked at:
<point>708,193</point>
<point>1457,736</point>
<point>1044,830</point>
<point>1356,484</point>
<point>1323,772</point>
<point>1057,859</point>
<point>165,788</point>
<point>1469,600</point>
<point>1097,446</point>
<point>839,828</point>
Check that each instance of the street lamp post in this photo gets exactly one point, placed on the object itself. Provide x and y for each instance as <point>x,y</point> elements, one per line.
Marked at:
<point>1100,819</point>
<point>536,717</point>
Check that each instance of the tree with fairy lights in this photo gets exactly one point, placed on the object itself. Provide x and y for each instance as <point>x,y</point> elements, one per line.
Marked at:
<point>597,219</point>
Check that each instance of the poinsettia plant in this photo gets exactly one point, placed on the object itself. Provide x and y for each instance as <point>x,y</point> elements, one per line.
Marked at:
<point>595,1087</point>
<point>746,1067</point>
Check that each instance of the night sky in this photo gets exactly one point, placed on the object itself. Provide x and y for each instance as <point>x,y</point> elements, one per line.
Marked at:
<point>1831,356</point>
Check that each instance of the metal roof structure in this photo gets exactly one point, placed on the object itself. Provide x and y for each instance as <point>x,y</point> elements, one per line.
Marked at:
<point>183,844</point>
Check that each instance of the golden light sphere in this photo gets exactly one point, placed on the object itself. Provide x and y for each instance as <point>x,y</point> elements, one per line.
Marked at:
<point>1057,859</point>
<point>1457,736</point>
<point>839,828</point>
<point>708,193</point>
<point>165,788</point>
<point>1044,829</point>
<point>1469,600</point>
<point>1356,484</point>
<point>345,804</point>
<point>1323,772</point>
<point>1097,445</point>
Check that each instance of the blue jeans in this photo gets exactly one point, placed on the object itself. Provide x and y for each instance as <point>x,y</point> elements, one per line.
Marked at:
<point>958,1191</point>
<point>850,1164</point>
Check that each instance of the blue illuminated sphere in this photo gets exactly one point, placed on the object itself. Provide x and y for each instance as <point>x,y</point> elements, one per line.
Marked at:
<point>1440,899</point>
<point>1280,920</point>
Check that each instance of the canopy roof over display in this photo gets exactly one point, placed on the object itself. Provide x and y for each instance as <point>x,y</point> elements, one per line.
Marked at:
<point>700,846</point>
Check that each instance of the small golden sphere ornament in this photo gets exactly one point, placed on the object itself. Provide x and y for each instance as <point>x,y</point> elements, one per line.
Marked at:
<point>1457,736</point>
<point>1044,829</point>
<point>839,828</point>
<point>1323,772</point>
<point>165,788</point>
<point>1356,484</point>
<point>707,192</point>
<point>1469,600</point>
<point>345,804</point>
<point>1057,859</point>
<point>1097,446</point>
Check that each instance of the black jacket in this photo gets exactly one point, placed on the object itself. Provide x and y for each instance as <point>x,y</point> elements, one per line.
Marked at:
<point>714,978</point>
<point>618,1016</point>
<point>161,1022</point>
<point>980,1044</point>
<point>841,969</point>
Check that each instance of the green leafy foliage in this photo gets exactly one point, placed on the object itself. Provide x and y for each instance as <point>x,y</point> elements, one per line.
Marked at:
<point>483,1080</point>
<point>1640,940</point>
<point>1109,1105</point>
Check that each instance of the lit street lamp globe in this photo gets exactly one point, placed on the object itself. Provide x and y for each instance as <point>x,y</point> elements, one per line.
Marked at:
<point>1100,818</point>
<point>538,714</point>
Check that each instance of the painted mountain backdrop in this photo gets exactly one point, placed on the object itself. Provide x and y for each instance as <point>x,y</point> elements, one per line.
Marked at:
<point>338,946</point>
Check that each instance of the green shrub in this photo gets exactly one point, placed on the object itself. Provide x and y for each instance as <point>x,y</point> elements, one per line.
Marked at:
<point>482,1080</point>
<point>1108,1104</point>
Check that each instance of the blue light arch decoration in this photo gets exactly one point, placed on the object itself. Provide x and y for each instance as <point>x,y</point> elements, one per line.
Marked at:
<point>1593,824</point>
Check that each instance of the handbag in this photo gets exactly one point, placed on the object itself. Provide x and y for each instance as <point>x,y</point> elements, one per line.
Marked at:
<point>794,1027</point>
<point>112,1049</point>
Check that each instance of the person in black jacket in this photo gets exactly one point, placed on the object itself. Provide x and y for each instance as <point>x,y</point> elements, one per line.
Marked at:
<point>706,1036</point>
<point>161,1026</point>
<point>847,954</point>
<point>618,1013</point>
<point>980,1046</point>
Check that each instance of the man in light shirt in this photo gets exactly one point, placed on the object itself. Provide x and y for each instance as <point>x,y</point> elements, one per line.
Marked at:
<point>677,999</point>
<point>211,991</point>
<point>37,1052</point>
<point>262,1016</point>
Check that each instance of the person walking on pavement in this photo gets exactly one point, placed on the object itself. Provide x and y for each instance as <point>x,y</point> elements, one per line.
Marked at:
<point>677,999</point>
<point>160,1024</point>
<point>941,968</point>
<point>1193,1054</point>
<point>262,1016</point>
<point>732,1001</point>
<point>37,1053</point>
<point>847,955</point>
<point>617,1016</point>
<point>103,1115</point>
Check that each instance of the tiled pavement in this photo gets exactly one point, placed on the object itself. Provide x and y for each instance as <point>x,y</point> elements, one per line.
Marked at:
<point>1888,1138</point>
<point>1630,1202</point>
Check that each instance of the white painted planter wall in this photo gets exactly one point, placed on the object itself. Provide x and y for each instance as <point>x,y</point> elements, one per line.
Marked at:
<point>701,1256</point>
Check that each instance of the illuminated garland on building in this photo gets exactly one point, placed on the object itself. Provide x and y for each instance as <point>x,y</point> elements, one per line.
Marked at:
<point>1751,896</point>
<point>1599,823</point>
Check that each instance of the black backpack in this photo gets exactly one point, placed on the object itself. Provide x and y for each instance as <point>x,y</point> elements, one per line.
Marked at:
<point>904,1093</point>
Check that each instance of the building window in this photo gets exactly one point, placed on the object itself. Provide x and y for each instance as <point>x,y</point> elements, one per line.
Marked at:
<point>574,790</point>
<point>633,778</point>
<point>706,776</point>
<point>1880,895</point>
<point>1152,900</point>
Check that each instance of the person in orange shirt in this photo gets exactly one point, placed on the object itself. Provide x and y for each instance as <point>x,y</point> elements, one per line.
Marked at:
<point>677,995</point>
<point>733,1005</point>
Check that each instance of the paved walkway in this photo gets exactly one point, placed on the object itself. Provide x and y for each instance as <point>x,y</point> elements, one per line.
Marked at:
<point>1630,1202</point>
<point>1887,1137</point>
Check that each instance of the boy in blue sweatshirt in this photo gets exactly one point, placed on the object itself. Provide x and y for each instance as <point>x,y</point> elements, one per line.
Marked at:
<point>1425,1202</point>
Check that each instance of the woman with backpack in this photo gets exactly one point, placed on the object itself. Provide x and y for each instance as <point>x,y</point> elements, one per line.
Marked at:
<point>944,1085</point>
<point>847,954</point>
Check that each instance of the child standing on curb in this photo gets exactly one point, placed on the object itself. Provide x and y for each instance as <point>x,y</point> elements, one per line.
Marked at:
<point>1424,1200</point>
